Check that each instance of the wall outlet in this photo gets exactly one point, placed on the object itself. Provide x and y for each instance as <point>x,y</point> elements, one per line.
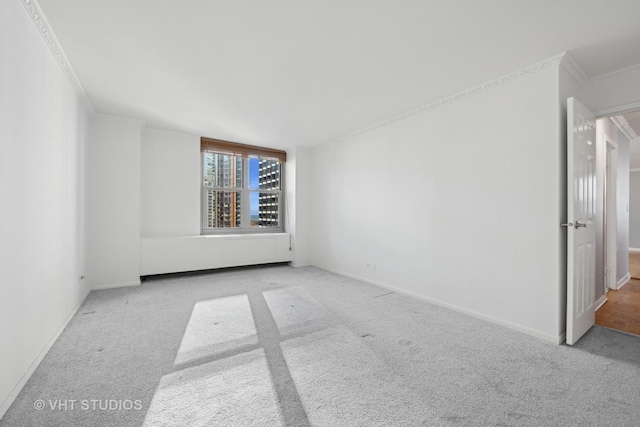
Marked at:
<point>371,265</point>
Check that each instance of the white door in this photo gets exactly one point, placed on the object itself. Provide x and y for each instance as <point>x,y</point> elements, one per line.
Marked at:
<point>581,230</point>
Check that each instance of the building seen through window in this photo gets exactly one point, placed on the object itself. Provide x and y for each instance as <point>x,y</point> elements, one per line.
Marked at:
<point>241,191</point>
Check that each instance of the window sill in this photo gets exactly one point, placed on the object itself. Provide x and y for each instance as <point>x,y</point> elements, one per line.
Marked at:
<point>244,234</point>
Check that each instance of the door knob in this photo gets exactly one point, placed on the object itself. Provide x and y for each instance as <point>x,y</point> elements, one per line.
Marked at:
<point>577,225</point>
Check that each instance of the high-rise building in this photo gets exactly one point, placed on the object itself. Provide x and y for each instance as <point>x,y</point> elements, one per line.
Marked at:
<point>223,206</point>
<point>268,206</point>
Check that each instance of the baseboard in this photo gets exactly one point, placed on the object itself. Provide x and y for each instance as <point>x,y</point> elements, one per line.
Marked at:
<point>623,281</point>
<point>115,285</point>
<point>556,339</point>
<point>561,338</point>
<point>295,264</point>
<point>634,249</point>
<point>8,401</point>
<point>601,301</point>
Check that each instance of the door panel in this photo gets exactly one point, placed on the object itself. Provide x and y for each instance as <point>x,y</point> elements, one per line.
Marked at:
<point>581,230</point>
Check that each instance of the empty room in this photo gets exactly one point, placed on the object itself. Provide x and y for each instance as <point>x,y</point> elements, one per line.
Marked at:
<point>361,213</point>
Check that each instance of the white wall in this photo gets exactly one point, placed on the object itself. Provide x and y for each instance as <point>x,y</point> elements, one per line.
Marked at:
<point>298,212</point>
<point>601,160</point>
<point>634,209</point>
<point>170,180</point>
<point>43,127</point>
<point>607,131</point>
<point>460,204</point>
<point>113,181</point>
<point>622,201</point>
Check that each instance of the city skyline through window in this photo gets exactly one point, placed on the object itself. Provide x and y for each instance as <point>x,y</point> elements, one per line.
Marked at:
<point>240,193</point>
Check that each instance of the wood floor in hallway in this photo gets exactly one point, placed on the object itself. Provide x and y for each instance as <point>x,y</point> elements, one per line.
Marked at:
<point>622,309</point>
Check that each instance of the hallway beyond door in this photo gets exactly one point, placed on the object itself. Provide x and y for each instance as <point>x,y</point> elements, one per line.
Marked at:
<point>622,309</point>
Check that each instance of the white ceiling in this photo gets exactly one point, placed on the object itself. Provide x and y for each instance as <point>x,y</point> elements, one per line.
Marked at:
<point>282,73</point>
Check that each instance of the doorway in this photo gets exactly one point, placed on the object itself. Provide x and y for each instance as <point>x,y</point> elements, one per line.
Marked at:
<point>616,306</point>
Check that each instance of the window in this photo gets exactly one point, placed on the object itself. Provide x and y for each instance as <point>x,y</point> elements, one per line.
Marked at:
<point>241,188</point>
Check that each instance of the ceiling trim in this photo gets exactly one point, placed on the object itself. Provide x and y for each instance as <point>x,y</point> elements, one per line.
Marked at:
<point>624,126</point>
<point>44,28</point>
<point>615,74</point>
<point>500,81</point>
<point>574,69</point>
<point>620,109</point>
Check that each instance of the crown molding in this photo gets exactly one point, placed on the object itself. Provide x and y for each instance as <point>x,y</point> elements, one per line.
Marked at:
<point>44,28</point>
<point>564,59</point>
<point>574,69</point>
<point>626,129</point>
<point>500,81</point>
<point>634,69</point>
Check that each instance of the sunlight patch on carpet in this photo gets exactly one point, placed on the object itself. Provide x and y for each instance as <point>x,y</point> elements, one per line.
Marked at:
<point>293,308</point>
<point>235,391</point>
<point>216,326</point>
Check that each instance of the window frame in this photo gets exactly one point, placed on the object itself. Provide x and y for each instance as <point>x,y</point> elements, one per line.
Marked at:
<point>245,192</point>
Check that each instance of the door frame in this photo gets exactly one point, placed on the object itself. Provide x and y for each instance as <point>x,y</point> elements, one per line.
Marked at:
<point>611,242</point>
<point>610,226</point>
<point>616,111</point>
<point>610,213</point>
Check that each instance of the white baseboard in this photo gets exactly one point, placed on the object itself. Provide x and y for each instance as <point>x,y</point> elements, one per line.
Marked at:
<point>623,281</point>
<point>34,365</point>
<point>115,285</point>
<point>556,339</point>
<point>298,264</point>
<point>634,249</point>
<point>601,301</point>
<point>561,338</point>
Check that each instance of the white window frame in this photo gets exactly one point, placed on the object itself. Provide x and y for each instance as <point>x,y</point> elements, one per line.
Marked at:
<point>245,202</point>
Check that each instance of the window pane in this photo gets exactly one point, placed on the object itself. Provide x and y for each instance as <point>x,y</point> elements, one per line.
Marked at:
<point>264,174</point>
<point>223,209</point>
<point>254,170</point>
<point>264,209</point>
<point>222,170</point>
<point>255,210</point>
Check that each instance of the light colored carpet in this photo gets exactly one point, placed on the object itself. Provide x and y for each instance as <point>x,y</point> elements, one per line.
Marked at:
<point>275,346</point>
